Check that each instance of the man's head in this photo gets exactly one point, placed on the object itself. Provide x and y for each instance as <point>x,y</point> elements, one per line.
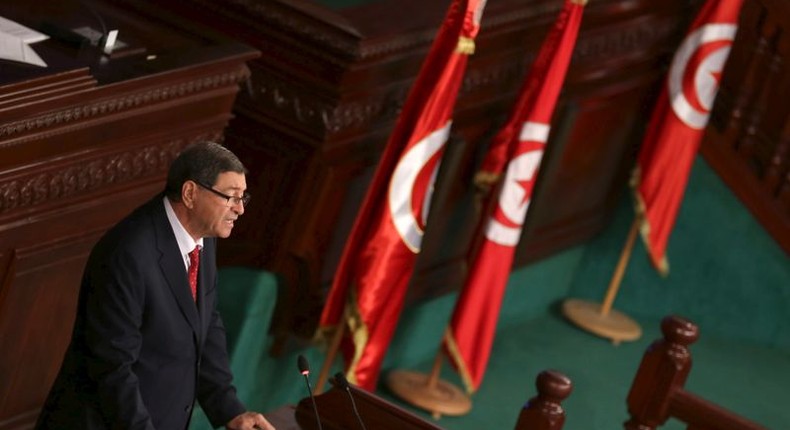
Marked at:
<point>207,186</point>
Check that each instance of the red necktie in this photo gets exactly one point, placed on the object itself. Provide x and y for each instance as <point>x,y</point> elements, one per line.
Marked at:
<point>194,262</point>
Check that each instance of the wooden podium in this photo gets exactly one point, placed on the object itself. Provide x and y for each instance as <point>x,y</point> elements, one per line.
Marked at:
<point>336,412</point>
<point>544,411</point>
<point>83,141</point>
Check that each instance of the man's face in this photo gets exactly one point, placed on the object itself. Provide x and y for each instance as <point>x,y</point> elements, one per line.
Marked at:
<point>214,215</point>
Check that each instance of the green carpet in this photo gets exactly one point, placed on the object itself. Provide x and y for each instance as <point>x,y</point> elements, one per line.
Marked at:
<point>727,275</point>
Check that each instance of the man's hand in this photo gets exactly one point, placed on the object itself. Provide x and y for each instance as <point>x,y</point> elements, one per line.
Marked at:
<point>249,421</point>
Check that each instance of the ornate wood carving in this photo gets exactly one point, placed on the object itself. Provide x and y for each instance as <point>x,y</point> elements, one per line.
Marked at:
<point>80,176</point>
<point>113,105</point>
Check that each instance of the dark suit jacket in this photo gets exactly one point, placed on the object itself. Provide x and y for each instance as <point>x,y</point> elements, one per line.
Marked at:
<point>142,350</point>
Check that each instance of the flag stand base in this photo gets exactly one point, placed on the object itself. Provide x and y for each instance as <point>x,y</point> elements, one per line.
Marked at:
<point>443,398</point>
<point>613,325</point>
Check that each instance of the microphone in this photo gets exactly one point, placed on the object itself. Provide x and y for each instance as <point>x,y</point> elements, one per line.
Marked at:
<point>304,369</point>
<point>341,380</point>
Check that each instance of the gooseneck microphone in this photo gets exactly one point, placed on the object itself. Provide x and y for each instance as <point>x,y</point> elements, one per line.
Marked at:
<point>304,369</point>
<point>341,380</point>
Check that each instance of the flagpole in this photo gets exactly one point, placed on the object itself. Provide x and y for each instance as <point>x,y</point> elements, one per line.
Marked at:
<point>429,392</point>
<point>622,263</point>
<point>601,319</point>
<point>334,345</point>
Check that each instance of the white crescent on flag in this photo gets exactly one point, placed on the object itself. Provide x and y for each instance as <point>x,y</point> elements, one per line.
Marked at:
<point>704,76</point>
<point>404,179</point>
<point>504,226</point>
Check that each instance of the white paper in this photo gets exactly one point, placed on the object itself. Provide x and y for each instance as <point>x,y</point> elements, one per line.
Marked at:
<point>15,40</point>
<point>15,29</point>
<point>15,49</point>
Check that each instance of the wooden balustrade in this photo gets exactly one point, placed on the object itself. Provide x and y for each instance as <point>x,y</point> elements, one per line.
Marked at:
<point>544,411</point>
<point>748,139</point>
<point>658,392</point>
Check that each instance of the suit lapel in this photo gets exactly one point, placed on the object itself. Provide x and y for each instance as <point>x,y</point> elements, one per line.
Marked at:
<point>204,277</point>
<point>172,266</point>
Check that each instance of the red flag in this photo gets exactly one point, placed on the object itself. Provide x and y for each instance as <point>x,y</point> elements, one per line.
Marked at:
<point>678,122</point>
<point>519,148</point>
<point>369,286</point>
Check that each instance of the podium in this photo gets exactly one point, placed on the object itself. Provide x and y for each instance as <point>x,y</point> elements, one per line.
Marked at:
<point>544,411</point>
<point>336,412</point>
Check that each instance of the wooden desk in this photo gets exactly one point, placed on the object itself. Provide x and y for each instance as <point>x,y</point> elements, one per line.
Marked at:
<point>336,413</point>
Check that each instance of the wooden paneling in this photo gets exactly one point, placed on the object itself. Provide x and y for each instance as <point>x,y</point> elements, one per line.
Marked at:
<point>36,316</point>
<point>748,139</point>
<point>84,141</point>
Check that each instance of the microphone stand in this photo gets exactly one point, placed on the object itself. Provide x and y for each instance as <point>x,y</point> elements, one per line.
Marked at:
<point>305,370</point>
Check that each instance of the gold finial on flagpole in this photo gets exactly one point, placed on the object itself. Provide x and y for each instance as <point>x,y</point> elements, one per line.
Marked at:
<point>465,45</point>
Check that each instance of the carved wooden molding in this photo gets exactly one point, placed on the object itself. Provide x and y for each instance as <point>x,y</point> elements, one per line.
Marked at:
<point>81,176</point>
<point>114,105</point>
<point>265,15</point>
<point>273,94</point>
<point>285,100</point>
<point>631,39</point>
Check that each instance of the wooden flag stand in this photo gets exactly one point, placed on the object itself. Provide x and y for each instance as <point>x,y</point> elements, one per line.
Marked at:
<point>601,319</point>
<point>429,392</point>
<point>424,391</point>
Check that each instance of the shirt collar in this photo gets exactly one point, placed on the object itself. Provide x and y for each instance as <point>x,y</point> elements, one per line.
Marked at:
<point>185,241</point>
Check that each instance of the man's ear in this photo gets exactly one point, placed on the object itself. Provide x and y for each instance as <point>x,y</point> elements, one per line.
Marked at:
<point>188,194</point>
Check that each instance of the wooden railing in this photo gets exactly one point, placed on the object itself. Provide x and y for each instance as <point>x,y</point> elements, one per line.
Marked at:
<point>657,392</point>
<point>748,138</point>
<point>544,411</point>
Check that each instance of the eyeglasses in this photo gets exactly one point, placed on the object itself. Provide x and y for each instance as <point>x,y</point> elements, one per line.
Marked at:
<point>244,200</point>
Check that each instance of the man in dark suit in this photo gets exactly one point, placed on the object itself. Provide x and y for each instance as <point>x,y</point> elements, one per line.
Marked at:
<point>148,341</point>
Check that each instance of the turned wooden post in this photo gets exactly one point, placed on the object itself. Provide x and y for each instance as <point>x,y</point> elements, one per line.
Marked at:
<point>544,411</point>
<point>663,370</point>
